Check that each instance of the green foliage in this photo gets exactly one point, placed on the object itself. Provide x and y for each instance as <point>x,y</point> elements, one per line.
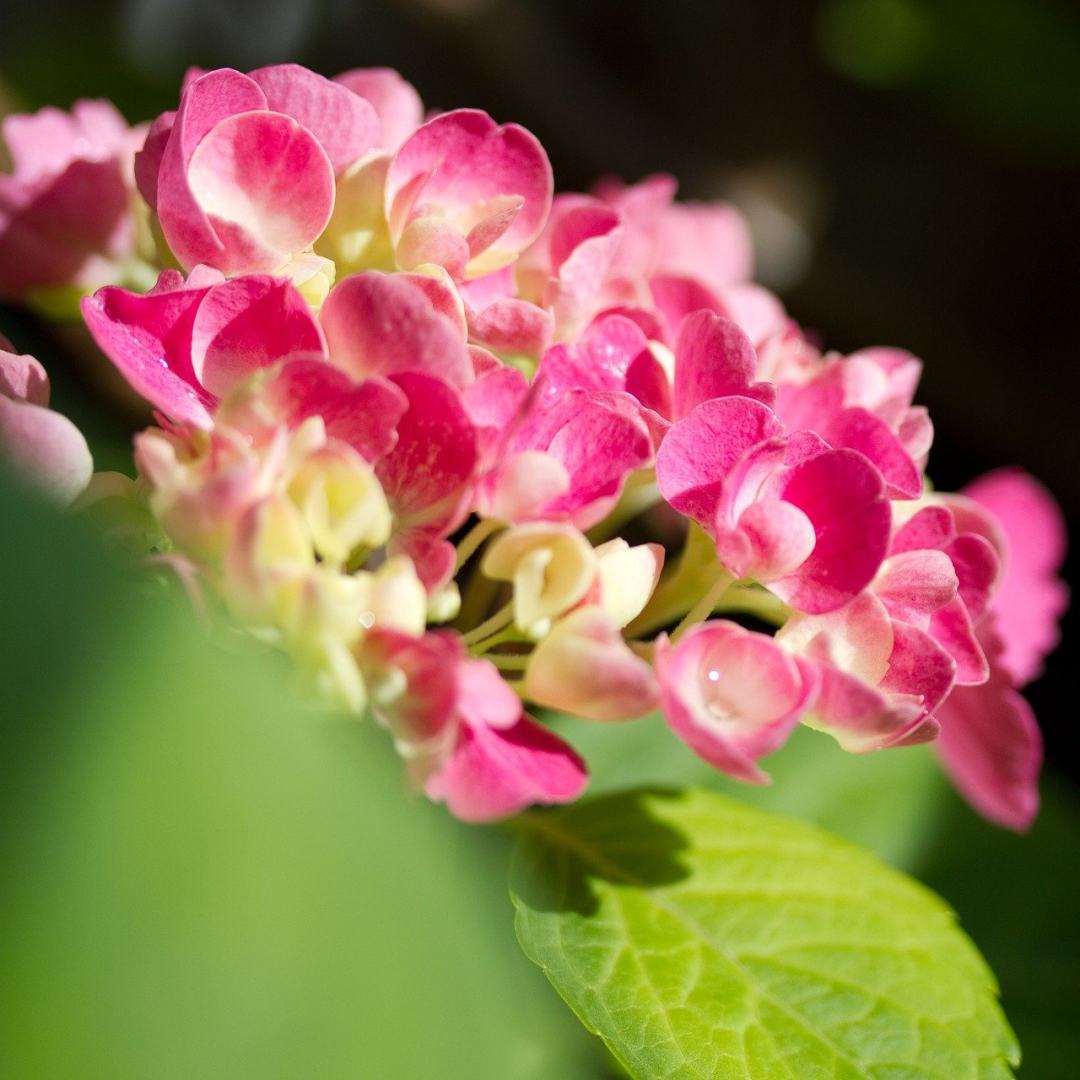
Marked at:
<point>703,938</point>
<point>201,880</point>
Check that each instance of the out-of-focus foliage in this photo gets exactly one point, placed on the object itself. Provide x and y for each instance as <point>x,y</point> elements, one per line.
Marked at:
<point>202,880</point>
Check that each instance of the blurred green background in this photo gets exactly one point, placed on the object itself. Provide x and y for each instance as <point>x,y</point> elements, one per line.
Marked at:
<point>201,879</point>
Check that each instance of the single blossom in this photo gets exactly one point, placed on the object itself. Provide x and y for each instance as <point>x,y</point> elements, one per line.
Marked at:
<point>37,444</point>
<point>66,213</point>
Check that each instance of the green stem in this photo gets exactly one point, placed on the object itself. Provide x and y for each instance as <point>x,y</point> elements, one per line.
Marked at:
<point>474,538</point>
<point>705,606</point>
<point>510,661</point>
<point>502,618</point>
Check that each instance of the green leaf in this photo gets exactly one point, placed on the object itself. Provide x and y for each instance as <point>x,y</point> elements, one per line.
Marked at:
<point>202,878</point>
<point>703,938</point>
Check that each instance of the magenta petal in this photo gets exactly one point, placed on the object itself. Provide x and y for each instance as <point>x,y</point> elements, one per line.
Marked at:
<point>382,324</point>
<point>346,125</point>
<point>494,773</point>
<point>700,450</point>
<point>148,338</point>
<point>396,102</point>
<point>952,629</point>
<point>859,429</point>
<point>914,584</point>
<point>247,324</point>
<point>513,327</point>
<point>919,667</point>
<point>1031,597</point>
<point>364,415</point>
<point>714,358</point>
<point>932,527</point>
<point>991,746</point>
<point>428,476</point>
<point>843,496</point>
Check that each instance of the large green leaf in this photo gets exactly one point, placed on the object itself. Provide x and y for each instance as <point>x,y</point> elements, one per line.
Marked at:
<point>203,880</point>
<point>703,938</point>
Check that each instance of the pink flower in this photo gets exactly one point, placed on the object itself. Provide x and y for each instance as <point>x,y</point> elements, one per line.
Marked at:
<point>811,522</point>
<point>565,459</point>
<point>713,358</point>
<point>38,445</point>
<point>186,343</point>
<point>396,102</point>
<point>879,680</point>
<point>462,729</point>
<point>466,194</point>
<point>731,695</point>
<point>242,175</point>
<point>65,211</point>
<point>863,402</point>
<point>990,742</point>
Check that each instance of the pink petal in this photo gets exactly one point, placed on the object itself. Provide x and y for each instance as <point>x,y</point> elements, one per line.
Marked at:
<point>731,695</point>
<point>364,415</point>
<point>991,746</point>
<point>22,378</point>
<point>713,359</point>
<point>710,241</point>
<point>64,230</point>
<point>932,527</point>
<point>977,570</point>
<point>148,338</point>
<point>914,584</point>
<point>584,667</point>
<point>346,125</point>
<point>676,298</point>
<point>919,667</point>
<point>952,629</point>
<point>843,496</point>
<point>460,166</point>
<point>700,450</point>
<point>513,327</point>
<point>860,717</point>
<point>381,324</point>
<point>1031,597</point>
<point>428,476</point>
<point>599,442</point>
<point>247,324</point>
<point>44,449</point>
<point>264,189</point>
<point>858,429</point>
<point>396,102</point>
<point>494,773</point>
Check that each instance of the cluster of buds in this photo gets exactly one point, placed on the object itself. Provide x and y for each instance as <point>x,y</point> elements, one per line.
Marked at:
<point>432,430</point>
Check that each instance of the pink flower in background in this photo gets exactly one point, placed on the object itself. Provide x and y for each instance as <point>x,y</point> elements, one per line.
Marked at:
<point>66,209</point>
<point>38,445</point>
<point>990,741</point>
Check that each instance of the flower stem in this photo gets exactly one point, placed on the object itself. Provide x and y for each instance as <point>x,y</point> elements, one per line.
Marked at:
<point>501,619</point>
<point>704,607</point>
<point>474,538</point>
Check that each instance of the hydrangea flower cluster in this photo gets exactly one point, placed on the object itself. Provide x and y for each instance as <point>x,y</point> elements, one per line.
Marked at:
<point>432,430</point>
